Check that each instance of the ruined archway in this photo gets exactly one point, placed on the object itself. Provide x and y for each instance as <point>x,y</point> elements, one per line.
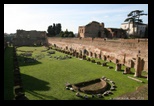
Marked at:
<point>95,55</point>
<point>99,56</point>
<point>87,53</point>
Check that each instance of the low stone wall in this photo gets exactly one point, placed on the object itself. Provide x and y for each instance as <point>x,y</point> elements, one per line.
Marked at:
<point>79,86</point>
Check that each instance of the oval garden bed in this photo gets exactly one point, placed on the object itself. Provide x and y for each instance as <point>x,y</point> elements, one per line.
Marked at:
<point>91,87</point>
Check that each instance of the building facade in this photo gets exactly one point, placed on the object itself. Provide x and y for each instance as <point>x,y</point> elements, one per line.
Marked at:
<point>138,29</point>
<point>92,29</point>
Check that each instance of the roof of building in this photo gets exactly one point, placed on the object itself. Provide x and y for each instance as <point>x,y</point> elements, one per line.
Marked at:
<point>114,29</point>
<point>101,24</point>
<point>136,23</point>
<point>92,22</point>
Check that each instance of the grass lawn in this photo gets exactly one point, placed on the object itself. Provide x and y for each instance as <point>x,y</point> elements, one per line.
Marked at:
<point>8,74</point>
<point>46,78</point>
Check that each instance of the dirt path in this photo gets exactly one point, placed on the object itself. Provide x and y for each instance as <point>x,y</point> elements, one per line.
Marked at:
<point>140,94</point>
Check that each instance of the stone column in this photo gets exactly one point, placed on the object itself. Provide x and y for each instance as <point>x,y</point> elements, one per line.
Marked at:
<point>95,55</point>
<point>104,57</point>
<point>118,67</point>
<point>138,66</point>
<point>124,60</point>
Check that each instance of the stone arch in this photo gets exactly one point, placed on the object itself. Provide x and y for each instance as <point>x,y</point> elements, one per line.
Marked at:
<point>87,53</point>
<point>70,49</point>
<point>54,45</point>
<point>66,47</point>
<point>84,51</point>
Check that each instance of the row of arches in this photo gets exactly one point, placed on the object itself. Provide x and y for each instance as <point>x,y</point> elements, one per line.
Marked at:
<point>87,53</point>
<point>94,54</point>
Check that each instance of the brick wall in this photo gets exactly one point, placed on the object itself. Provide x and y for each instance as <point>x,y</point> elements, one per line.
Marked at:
<point>115,49</point>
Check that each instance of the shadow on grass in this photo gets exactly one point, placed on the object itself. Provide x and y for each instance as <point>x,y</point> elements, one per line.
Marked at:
<point>8,74</point>
<point>25,61</point>
<point>41,96</point>
<point>90,98</point>
<point>32,84</point>
<point>143,76</point>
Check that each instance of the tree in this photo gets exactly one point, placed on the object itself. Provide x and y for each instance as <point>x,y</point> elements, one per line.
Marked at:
<point>54,30</point>
<point>66,34</point>
<point>58,28</point>
<point>50,31</point>
<point>134,17</point>
<point>71,34</point>
<point>61,34</point>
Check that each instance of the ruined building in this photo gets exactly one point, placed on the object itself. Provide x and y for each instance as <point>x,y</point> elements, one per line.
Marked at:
<point>92,29</point>
<point>30,38</point>
<point>97,30</point>
<point>115,33</point>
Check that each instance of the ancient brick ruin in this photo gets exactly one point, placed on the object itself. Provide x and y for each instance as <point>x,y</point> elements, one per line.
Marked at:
<point>97,30</point>
<point>30,38</point>
<point>92,29</point>
<point>128,52</point>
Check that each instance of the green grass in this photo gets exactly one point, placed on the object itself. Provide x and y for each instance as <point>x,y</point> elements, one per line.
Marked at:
<point>8,74</point>
<point>46,79</point>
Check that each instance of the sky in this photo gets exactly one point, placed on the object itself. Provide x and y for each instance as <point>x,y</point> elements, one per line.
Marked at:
<point>70,16</point>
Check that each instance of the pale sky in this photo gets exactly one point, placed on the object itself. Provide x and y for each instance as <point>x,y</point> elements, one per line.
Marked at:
<point>71,16</point>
